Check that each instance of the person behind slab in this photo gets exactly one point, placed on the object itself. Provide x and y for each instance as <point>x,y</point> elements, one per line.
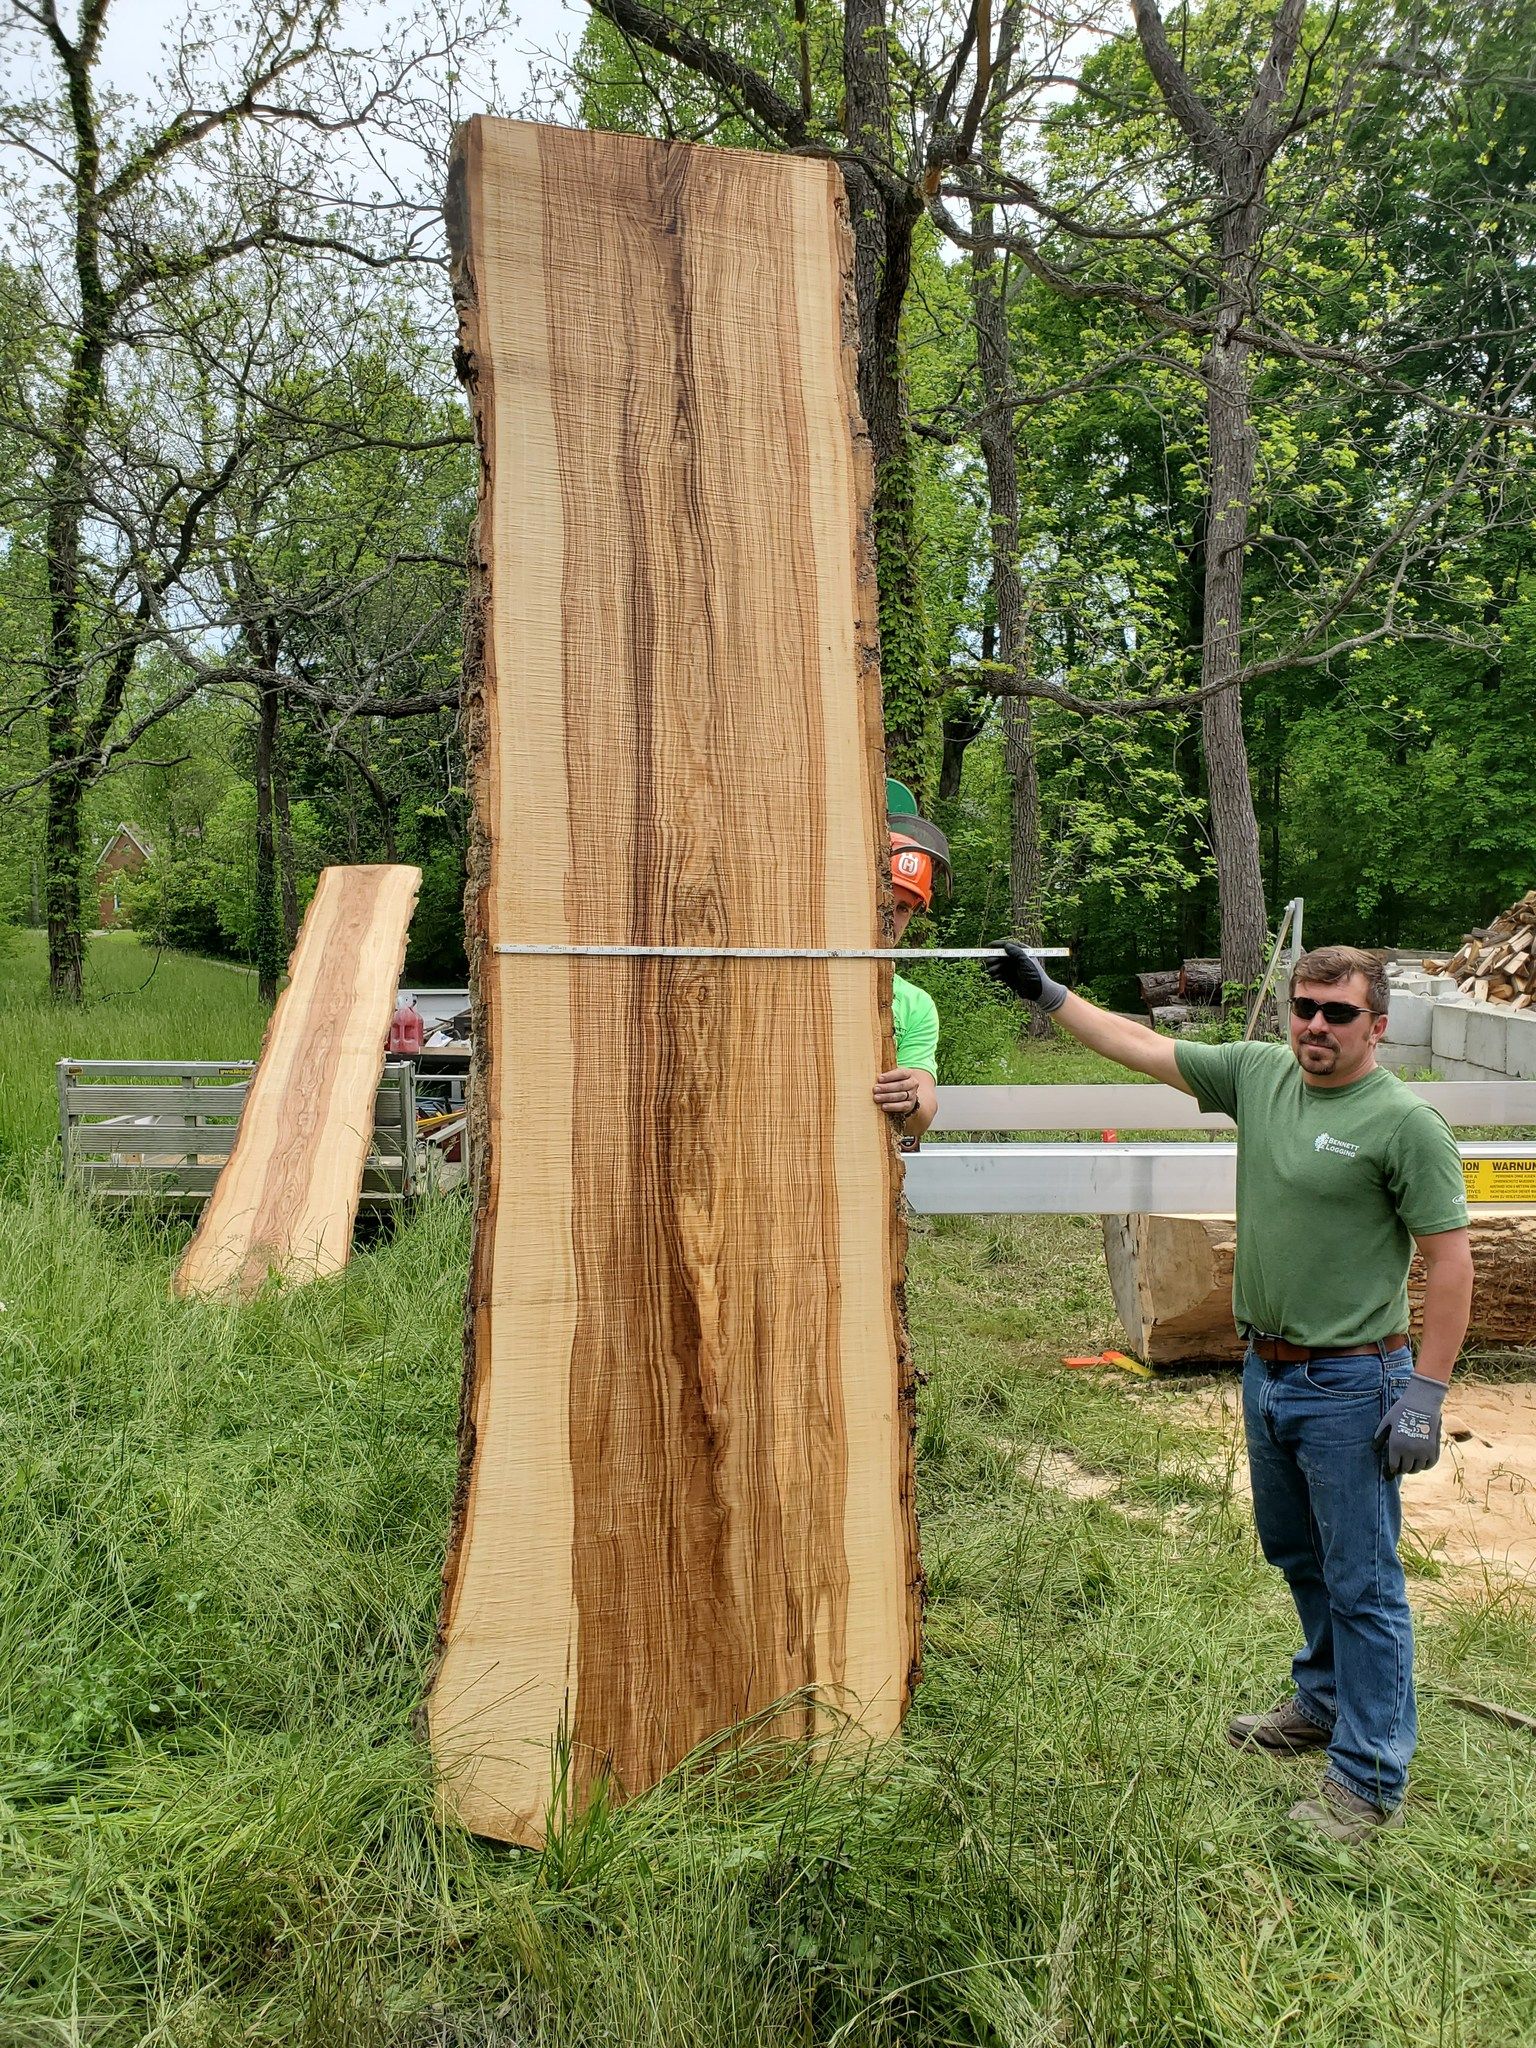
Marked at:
<point>908,1093</point>
<point>1341,1171</point>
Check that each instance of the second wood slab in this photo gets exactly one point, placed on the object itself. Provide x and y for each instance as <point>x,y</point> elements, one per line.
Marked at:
<point>286,1201</point>
<point>686,1491</point>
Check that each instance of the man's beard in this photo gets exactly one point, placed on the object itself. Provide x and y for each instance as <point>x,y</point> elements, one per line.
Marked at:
<point>1328,1051</point>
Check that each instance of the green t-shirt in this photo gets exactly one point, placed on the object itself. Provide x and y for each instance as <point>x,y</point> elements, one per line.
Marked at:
<point>1333,1185</point>
<point>916,1018</point>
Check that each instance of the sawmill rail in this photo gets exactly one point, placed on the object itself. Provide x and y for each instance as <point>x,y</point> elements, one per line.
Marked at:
<point>1111,1105</point>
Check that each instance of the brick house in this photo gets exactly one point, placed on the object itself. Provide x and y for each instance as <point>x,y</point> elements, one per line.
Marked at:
<point>125,853</point>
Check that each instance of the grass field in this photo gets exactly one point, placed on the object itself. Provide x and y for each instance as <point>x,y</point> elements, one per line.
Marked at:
<point>220,1535</point>
<point>139,1005</point>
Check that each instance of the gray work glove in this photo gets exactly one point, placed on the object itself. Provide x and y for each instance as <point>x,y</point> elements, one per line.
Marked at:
<point>1020,972</point>
<point>1409,1435</point>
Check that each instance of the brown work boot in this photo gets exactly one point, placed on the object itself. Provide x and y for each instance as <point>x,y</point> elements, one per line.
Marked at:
<point>1283,1731</point>
<point>1340,1815</point>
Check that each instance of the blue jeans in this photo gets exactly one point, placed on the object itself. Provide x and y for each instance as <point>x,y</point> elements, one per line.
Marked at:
<point>1329,1518</point>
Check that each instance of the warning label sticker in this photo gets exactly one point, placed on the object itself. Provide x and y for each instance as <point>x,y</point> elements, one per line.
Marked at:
<point>1500,1180</point>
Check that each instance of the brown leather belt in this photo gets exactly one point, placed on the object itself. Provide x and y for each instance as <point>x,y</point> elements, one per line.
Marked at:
<point>1277,1351</point>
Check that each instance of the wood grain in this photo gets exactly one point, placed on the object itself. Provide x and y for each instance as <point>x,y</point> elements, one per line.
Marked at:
<point>685,1493</point>
<point>286,1200</point>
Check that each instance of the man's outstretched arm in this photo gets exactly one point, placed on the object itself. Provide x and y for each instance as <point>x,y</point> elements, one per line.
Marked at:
<point>1117,1038</point>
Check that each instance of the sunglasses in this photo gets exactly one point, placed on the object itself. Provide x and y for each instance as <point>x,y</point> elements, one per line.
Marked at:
<point>1306,1008</point>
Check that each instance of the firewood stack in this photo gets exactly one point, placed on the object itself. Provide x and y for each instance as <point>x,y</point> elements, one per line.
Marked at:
<point>1498,964</point>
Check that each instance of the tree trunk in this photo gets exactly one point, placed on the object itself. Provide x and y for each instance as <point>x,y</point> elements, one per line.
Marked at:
<point>63,831</point>
<point>1238,155</point>
<point>959,726</point>
<point>62,839</point>
<point>1234,826</point>
<point>268,934</point>
<point>885,211</point>
<point>1002,465</point>
<point>287,877</point>
<point>381,802</point>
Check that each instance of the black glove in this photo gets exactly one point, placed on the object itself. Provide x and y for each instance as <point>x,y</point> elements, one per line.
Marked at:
<point>1021,973</point>
<point>1409,1435</point>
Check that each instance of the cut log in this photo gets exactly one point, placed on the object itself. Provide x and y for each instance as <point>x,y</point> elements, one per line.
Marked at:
<point>1159,988</point>
<point>1200,981</point>
<point>685,1495</point>
<point>1171,1277</point>
<point>287,1199</point>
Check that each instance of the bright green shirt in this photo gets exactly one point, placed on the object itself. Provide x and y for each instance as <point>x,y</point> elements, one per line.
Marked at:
<point>1333,1185</point>
<point>916,1018</point>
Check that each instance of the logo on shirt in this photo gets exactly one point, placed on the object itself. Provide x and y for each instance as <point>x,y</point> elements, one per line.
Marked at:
<point>1339,1146</point>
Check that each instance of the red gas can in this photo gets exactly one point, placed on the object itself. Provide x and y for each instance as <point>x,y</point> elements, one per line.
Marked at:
<point>407,1033</point>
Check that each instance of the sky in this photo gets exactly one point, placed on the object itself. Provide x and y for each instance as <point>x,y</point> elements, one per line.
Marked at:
<point>141,34</point>
<point>139,30</point>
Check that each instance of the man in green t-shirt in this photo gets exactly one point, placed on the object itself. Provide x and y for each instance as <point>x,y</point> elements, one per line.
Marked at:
<point>1341,1171</point>
<point>909,1091</point>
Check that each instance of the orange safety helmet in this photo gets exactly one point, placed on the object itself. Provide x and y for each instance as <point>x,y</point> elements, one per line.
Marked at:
<point>911,872</point>
<point>919,850</point>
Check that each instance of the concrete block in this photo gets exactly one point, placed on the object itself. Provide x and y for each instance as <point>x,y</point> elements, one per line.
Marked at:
<point>1463,1070</point>
<point>1448,1030</point>
<point>1487,1031</point>
<point>1410,1061</point>
<point>1409,1018</point>
<point>1520,1046</point>
<point>1411,1047</point>
<point>1444,988</point>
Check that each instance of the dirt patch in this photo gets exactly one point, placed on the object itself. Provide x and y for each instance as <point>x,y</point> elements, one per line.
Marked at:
<point>1054,1469</point>
<point>1475,1511</point>
<point>1061,1473</point>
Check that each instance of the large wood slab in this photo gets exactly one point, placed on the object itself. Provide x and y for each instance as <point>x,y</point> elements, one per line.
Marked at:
<point>685,1494</point>
<point>286,1201</point>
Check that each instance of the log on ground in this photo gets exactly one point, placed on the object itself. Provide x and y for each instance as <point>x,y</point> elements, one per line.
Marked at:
<point>1200,982</point>
<point>1171,1277</point>
<point>685,1492</point>
<point>286,1201</point>
<point>1158,988</point>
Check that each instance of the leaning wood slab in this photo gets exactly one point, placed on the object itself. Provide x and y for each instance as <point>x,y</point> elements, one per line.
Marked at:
<point>286,1200</point>
<point>685,1496</point>
<point>1172,1281</point>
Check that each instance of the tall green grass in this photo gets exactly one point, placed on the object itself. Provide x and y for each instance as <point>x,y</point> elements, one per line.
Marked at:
<point>140,1004</point>
<point>220,1540</point>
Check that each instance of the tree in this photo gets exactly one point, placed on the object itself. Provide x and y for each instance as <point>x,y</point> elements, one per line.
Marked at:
<point>131,226</point>
<point>898,102</point>
<point>1212,202</point>
<point>995,432</point>
<point>1237,153</point>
